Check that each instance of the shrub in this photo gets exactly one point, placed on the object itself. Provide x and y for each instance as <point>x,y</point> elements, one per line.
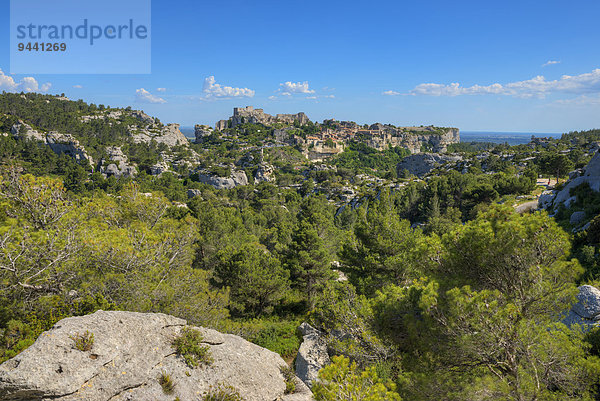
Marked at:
<point>344,380</point>
<point>188,345</point>
<point>166,382</point>
<point>222,392</point>
<point>83,342</point>
<point>290,379</point>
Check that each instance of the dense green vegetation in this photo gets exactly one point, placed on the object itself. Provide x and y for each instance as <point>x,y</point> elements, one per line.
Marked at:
<point>424,289</point>
<point>359,157</point>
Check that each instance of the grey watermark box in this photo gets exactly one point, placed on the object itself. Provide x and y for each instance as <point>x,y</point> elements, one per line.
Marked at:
<point>80,37</point>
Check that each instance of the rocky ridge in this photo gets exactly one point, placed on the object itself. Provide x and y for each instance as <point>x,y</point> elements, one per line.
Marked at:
<point>58,142</point>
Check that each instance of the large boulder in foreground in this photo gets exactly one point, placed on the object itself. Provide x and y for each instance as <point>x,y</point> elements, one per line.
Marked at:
<point>586,311</point>
<point>129,353</point>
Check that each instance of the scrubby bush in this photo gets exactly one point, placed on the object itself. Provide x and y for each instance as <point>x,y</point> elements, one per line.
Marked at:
<point>83,342</point>
<point>343,380</point>
<point>189,346</point>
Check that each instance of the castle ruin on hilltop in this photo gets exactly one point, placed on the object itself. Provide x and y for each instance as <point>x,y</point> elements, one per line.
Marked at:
<point>251,115</point>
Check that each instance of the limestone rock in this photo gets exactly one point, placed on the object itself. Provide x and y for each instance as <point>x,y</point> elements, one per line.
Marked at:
<point>169,134</point>
<point>586,311</point>
<point>192,193</point>
<point>201,132</point>
<point>143,117</point>
<point>577,218</point>
<point>264,173</point>
<point>159,168</point>
<point>58,142</point>
<point>129,353</point>
<point>546,199</point>
<point>422,163</point>
<point>116,164</point>
<point>312,355</point>
<point>236,178</point>
<point>590,175</point>
<point>588,305</point>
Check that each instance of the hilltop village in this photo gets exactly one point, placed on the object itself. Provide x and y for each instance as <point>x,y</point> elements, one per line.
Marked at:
<point>330,138</point>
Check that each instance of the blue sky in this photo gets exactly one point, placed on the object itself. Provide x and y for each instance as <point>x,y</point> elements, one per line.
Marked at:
<point>469,64</point>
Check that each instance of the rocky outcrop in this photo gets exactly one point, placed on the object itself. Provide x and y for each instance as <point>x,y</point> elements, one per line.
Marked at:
<point>586,311</point>
<point>116,164</point>
<point>169,134</point>
<point>422,163</point>
<point>251,115</point>
<point>130,352</point>
<point>143,117</point>
<point>236,178</point>
<point>159,168</point>
<point>577,218</point>
<point>589,175</point>
<point>201,132</point>
<point>312,355</point>
<point>413,138</point>
<point>318,150</point>
<point>58,142</point>
<point>192,193</point>
<point>264,173</point>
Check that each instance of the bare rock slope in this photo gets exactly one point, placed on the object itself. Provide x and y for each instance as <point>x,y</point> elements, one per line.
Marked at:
<point>129,353</point>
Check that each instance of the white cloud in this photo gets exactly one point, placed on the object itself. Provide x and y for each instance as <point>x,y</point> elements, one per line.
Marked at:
<point>550,62</point>
<point>161,89</point>
<point>311,97</point>
<point>272,97</point>
<point>27,84</point>
<point>288,88</point>
<point>390,93</point>
<point>329,96</point>
<point>534,87</point>
<point>214,90</point>
<point>143,96</point>
<point>77,86</point>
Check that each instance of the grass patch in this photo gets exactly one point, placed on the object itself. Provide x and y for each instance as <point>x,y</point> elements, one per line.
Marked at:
<point>278,337</point>
<point>222,392</point>
<point>167,383</point>
<point>83,342</point>
<point>189,346</point>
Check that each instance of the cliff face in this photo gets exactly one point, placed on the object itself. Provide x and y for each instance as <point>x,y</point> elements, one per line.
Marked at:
<point>58,142</point>
<point>435,141</point>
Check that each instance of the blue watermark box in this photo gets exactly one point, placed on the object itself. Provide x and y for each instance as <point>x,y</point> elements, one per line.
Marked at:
<point>80,37</point>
